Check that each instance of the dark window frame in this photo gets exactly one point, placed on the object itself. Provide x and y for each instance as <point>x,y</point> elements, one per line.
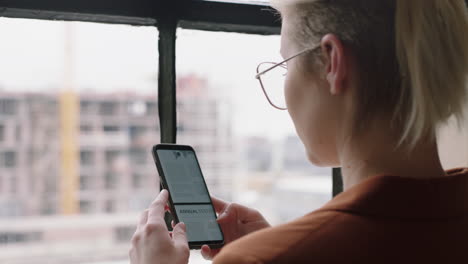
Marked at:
<point>167,16</point>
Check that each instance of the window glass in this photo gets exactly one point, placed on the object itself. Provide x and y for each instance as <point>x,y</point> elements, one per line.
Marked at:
<point>78,117</point>
<point>453,144</point>
<point>249,151</point>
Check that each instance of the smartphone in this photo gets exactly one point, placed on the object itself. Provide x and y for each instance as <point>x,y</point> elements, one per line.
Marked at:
<point>189,199</point>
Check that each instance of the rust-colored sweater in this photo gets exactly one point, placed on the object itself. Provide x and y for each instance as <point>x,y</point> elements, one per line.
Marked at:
<point>384,219</point>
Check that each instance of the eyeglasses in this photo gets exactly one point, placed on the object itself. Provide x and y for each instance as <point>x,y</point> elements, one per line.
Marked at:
<point>273,83</point>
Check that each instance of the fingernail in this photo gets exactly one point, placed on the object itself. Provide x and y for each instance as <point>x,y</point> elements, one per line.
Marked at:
<point>182,225</point>
<point>224,214</point>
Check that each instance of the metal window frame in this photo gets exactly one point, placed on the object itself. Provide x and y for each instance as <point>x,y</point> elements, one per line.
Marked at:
<point>167,15</point>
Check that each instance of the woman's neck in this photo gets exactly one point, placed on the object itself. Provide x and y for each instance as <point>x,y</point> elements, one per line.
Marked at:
<point>373,153</point>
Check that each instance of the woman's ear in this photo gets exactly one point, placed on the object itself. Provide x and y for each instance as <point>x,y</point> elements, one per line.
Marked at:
<point>335,63</point>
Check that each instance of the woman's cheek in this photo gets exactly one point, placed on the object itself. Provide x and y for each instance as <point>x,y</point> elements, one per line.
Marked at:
<point>287,91</point>
<point>305,115</point>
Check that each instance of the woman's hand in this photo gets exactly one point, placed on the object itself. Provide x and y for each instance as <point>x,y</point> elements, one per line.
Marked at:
<point>153,243</point>
<point>235,221</point>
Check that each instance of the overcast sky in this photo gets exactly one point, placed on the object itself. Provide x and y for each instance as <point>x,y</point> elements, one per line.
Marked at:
<point>108,58</point>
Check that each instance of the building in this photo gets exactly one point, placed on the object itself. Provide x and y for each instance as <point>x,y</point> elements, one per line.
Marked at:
<point>116,133</point>
<point>116,175</point>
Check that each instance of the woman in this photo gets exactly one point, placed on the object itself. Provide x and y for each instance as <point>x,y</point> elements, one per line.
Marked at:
<point>368,84</point>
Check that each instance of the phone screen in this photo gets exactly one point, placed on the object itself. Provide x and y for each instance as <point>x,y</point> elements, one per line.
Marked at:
<point>189,194</point>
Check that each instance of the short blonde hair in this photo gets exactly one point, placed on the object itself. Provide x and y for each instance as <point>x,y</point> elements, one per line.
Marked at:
<point>414,51</point>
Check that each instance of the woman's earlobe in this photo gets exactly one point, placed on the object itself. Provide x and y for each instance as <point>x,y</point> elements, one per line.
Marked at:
<point>331,82</point>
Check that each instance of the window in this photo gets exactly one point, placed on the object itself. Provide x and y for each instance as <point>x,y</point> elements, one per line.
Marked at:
<point>450,139</point>
<point>8,106</point>
<point>92,72</point>
<point>18,133</point>
<point>2,133</point>
<point>138,181</point>
<point>111,128</point>
<point>8,159</point>
<point>151,108</point>
<point>112,70</point>
<point>19,237</point>
<point>86,128</point>
<point>87,107</point>
<point>111,181</point>
<point>110,206</point>
<point>87,158</point>
<point>86,182</point>
<point>111,156</point>
<point>13,185</point>
<point>48,207</point>
<point>86,207</point>
<point>108,108</point>
<point>259,154</point>
<point>223,114</point>
<point>139,156</point>
<point>136,132</point>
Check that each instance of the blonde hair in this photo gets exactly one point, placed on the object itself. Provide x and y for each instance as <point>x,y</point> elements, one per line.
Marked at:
<point>414,51</point>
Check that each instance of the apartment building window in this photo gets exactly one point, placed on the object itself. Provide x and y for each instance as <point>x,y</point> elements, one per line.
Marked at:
<point>18,133</point>
<point>87,158</point>
<point>50,182</point>
<point>108,108</point>
<point>138,180</point>
<point>86,107</point>
<point>8,159</point>
<point>110,206</point>
<point>86,207</point>
<point>111,180</point>
<point>8,107</point>
<point>111,156</point>
<point>13,184</point>
<point>136,131</point>
<point>86,182</point>
<point>19,237</point>
<point>2,133</point>
<point>151,108</point>
<point>111,128</point>
<point>48,207</point>
<point>86,128</point>
<point>139,156</point>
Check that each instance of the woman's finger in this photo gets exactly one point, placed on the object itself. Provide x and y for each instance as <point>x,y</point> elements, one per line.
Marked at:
<point>219,205</point>
<point>208,253</point>
<point>156,210</point>
<point>205,251</point>
<point>228,215</point>
<point>179,236</point>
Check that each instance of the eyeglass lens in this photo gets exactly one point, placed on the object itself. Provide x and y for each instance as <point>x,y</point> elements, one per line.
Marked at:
<point>273,83</point>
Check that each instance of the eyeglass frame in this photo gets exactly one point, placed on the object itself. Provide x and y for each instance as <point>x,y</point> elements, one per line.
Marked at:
<point>279,64</point>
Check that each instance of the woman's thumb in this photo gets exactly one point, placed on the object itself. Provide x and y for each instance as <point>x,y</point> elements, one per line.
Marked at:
<point>227,214</point>
<point>179,235</point>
